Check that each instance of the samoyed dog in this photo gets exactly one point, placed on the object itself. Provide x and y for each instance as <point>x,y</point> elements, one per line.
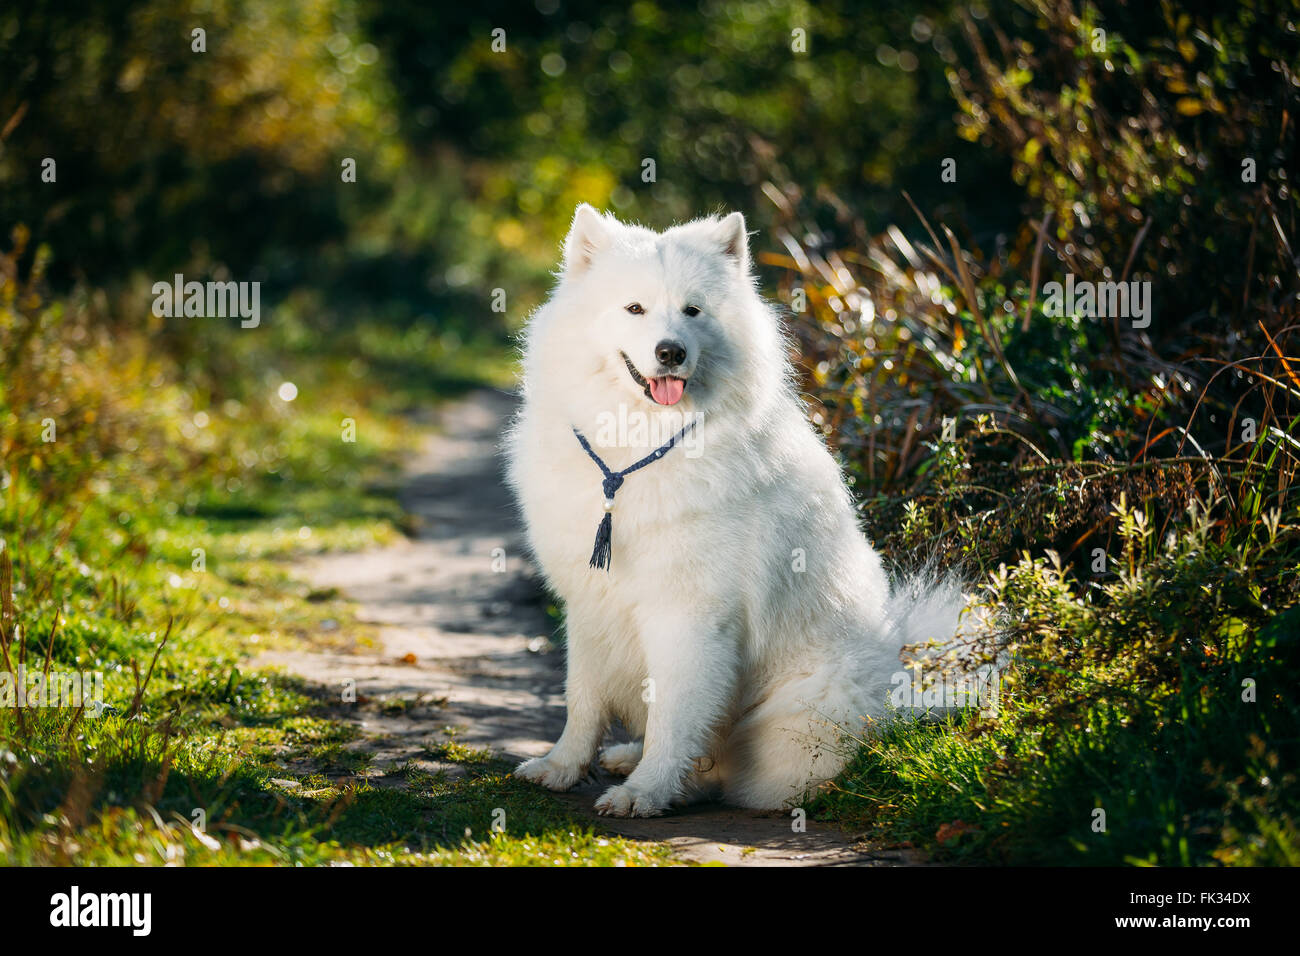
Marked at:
<point>720,598</point>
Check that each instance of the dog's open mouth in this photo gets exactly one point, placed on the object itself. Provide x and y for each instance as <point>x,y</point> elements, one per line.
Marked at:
<point>663,389</point>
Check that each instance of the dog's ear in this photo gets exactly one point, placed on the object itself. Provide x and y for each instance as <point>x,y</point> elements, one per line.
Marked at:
<point>588,234</point>
<point>731,235</point>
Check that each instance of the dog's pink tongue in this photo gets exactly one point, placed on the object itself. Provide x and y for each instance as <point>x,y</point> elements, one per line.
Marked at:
<point>667,390</point>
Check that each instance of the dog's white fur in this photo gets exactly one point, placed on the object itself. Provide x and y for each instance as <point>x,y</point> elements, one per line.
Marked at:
<point>745,620</point>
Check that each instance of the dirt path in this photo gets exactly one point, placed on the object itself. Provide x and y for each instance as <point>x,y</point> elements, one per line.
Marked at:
<point>459,628</point>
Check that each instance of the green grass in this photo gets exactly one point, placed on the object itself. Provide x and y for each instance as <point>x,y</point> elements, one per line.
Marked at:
<point>213,785</point>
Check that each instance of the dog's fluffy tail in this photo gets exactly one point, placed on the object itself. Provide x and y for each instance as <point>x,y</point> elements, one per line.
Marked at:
<point>926,607</point>
<point>947,631</point>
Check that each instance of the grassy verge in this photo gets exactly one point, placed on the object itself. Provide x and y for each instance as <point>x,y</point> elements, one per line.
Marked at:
<point>151,504</point>
<point>1146,719</point>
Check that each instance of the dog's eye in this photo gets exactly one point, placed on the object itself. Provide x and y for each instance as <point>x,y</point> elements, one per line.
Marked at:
<point>690,310</point>
<point>635,308</point>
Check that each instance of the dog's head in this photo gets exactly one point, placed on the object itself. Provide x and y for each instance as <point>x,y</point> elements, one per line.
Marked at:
<point>658,319</point>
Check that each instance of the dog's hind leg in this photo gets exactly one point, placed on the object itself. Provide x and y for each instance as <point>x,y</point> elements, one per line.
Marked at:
<point>621,759</point>
<point>698,785</point>
<point>786,746</point>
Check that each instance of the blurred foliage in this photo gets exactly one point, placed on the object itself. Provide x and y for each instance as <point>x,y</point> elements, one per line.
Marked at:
<point>169,158</point>
<point>1133,124</point>
<point>903,332</point>
<point>470,157</point>
<point>720,95</point>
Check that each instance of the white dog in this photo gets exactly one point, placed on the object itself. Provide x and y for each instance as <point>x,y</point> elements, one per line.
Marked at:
<point>720,600</point>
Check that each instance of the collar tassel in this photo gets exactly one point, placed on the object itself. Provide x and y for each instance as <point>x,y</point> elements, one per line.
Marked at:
<point>600,555</point>
<point>603,550</point>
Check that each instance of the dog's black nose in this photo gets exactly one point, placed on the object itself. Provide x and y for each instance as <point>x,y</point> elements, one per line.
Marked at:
<point>670,354</point>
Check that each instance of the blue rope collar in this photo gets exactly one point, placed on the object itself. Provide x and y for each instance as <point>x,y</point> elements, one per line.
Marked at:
<point>603,550</point>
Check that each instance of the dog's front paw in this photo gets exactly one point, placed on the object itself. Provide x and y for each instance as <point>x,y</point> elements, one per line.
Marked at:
<point>549,773</point>
<point>623,801</point>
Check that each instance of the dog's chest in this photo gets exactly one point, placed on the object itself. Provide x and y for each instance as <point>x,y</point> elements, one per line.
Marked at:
<point>564,496</point>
